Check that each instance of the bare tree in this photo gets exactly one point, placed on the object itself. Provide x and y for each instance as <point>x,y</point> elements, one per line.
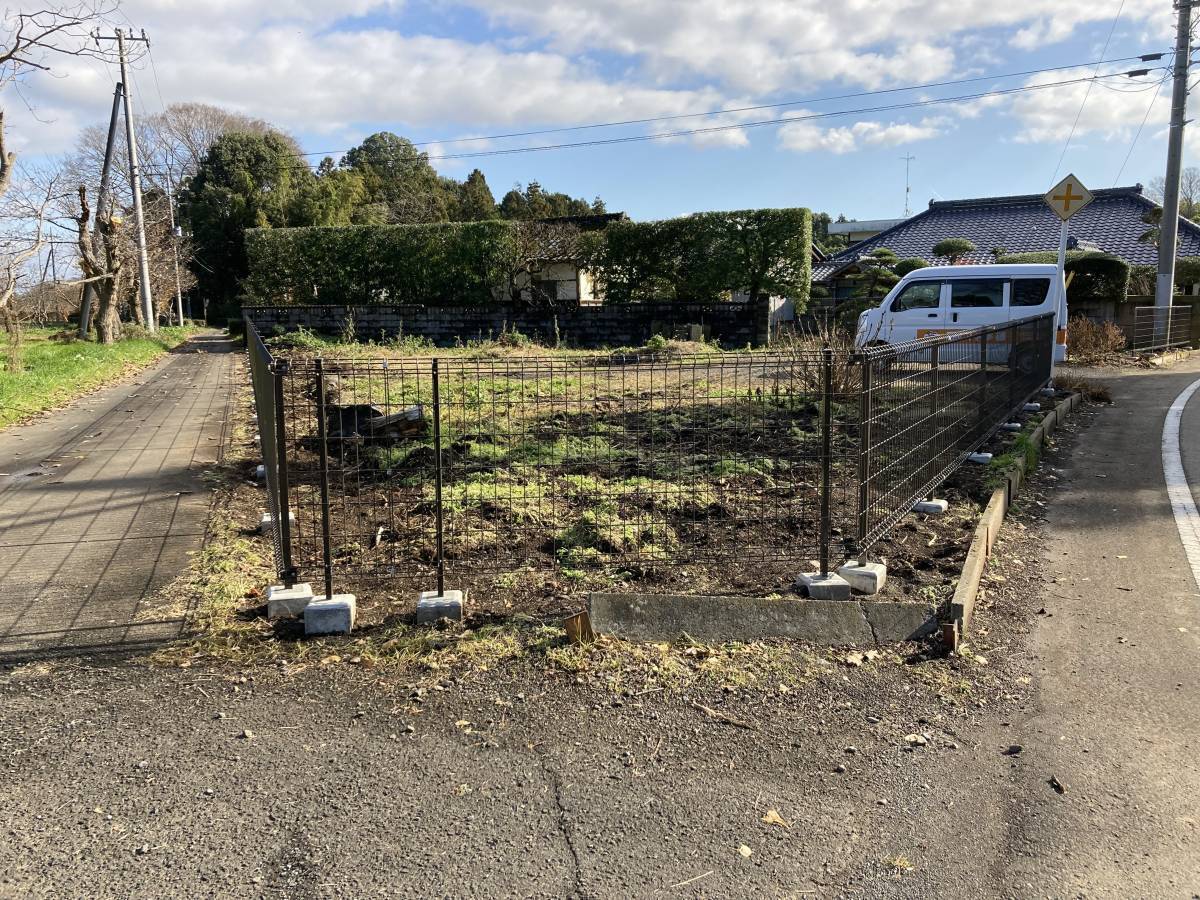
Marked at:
<point>1189,191</point>
<point>25,215</point>
<point>104,271</point>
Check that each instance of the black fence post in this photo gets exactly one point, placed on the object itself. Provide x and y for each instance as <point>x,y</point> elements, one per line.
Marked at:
<point>322,437</point>
<point>935,407</point>
<point>864,457</point>
<point>983,387</point>
<point>826,452</point>
<point>437,455</point>
<point>283,506</point>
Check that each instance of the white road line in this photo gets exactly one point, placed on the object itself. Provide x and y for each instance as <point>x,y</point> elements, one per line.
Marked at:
<point>1183,504</point>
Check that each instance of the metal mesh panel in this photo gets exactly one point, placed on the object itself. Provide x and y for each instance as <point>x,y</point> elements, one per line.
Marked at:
<point>928,404</point>
<point>1161,327</point>
<point>262,379</point>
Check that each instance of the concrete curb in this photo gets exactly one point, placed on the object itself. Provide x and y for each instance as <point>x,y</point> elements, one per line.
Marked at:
<point>962,606</point>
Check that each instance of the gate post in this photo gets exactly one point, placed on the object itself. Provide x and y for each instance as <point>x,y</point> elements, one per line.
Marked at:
<point>826,450</point>
<point>278,371</point>
<point>864,456</point>
<point>323,438</point>
<point>437,452</point>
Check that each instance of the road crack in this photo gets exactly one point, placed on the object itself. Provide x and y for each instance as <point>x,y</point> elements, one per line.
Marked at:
<point>564,824</point>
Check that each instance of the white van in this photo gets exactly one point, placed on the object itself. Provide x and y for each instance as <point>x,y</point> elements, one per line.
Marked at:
<point>944,299</point>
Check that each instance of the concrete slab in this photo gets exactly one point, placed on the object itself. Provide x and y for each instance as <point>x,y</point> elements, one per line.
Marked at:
<point>824,587</point>
<point>283,601</point>
<point>267,522</point>
<point>1032,407</point>
<point>980,458</point>
<point>1011,426</point>
<point>892,622</point>
<point>333,615</point>
<point>432,606</point>
<point>665,617</point>
<point>932,507</point>
<point>864,579</point>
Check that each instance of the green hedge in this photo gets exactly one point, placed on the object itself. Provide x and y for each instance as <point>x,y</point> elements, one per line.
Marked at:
<point>1144,279</point>
<point>442,264</point>
<point>1097,275</point>
<point>699,258</point>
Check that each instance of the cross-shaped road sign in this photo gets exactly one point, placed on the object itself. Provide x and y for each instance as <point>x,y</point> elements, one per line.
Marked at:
<point>1068,197</point>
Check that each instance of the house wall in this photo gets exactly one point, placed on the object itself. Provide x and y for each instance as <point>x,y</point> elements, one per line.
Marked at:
<point>611,325</point>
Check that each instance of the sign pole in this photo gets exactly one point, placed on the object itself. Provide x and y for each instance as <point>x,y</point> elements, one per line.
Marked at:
<point>1066,198</point>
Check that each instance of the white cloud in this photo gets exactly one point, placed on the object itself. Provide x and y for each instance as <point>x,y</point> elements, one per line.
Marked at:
<point>1114,108</point>
<point>807,136</point>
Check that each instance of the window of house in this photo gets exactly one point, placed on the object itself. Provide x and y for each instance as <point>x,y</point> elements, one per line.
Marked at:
<point>1030,291</point>
<point>980,294</point>
<point>919,295</point>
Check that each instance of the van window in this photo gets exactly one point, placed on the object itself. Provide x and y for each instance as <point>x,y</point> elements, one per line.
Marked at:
<point>1029,291</point>
<point>919,295</point>
<point>977,294</point>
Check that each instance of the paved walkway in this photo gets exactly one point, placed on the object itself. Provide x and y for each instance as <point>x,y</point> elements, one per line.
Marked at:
<point>101,503</point>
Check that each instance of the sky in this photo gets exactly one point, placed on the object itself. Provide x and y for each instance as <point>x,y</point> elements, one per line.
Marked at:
<point>331,72</point>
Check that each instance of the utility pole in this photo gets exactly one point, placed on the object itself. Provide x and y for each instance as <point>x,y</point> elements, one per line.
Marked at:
<point>135,178</point>
<point>1169,227</point>
<point>907,190</point>
<point>89,291</point>
<point>175,248</point>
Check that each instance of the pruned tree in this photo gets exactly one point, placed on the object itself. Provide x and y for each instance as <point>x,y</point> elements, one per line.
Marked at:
<point>103,269</point>
<point>954,248</point>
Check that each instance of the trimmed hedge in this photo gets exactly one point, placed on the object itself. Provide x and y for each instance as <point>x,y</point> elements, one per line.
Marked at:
<point>446,264</point>
<point>698,258</point>
<point>1097,275</point>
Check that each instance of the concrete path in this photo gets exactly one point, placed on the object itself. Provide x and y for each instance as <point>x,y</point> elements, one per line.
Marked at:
<point>101,503</point>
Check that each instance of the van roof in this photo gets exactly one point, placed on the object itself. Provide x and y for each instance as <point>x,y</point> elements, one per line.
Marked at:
<point>1002,270</point>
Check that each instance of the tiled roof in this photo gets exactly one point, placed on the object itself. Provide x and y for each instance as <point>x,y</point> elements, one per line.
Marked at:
<point>1112,222</point>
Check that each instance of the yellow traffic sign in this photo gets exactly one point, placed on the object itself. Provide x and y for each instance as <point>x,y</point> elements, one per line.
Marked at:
<point>1068,197</point>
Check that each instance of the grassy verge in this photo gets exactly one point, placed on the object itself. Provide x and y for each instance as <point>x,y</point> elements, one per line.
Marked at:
<point>55,372</point>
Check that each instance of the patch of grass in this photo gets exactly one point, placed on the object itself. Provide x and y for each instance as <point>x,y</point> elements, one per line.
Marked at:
<point>606,530</point>
<point>53,371</point>
<point>1023,448</point>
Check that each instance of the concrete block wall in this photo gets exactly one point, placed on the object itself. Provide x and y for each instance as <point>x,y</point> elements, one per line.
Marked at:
<point>616,325</point>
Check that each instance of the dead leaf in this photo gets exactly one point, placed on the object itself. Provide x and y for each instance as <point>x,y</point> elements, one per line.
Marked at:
<point>854,659</point>
<point>744,851</point>
<point>774,818</point>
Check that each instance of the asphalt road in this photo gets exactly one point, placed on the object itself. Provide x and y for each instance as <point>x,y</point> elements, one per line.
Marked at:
<point>126,781</point>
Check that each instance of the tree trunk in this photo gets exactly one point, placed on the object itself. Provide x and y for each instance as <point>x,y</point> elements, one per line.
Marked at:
<point>13,326</point>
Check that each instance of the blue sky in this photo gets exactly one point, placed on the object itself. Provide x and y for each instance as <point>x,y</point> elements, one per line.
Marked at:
<point>332,72</point>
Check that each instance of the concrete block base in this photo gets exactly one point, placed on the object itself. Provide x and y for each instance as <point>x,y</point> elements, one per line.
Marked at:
<point>981,458</point>
<point>853,623</point>
<point>260,472</point>
<point>864,579</point>
<point>824,587</point>
<point>1032,407</point>
<point>333,615</point>
<point>1011,426</point>
<point>1048,392</point>
<point>432,606</point>
<point>267,522</point>
<point>932,507</point>
<point>288,601</point>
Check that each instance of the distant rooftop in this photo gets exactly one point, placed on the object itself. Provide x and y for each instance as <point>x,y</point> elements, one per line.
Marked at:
<point>862,225</point>
<point>1019,224</point>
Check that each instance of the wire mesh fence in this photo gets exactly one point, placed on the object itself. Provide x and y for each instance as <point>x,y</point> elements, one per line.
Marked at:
<point>429,472</point>
<point>1161,327</point>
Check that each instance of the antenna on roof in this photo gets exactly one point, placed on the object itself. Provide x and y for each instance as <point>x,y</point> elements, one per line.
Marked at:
<point>907,190</point>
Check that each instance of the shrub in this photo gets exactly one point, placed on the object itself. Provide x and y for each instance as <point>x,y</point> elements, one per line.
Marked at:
<point>909,264</point>
<point>1097,275</point>
<point>953,248</point>
<point>1091,342</point>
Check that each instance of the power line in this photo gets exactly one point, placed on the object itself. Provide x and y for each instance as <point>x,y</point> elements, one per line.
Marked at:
<point>1137,134</point>
<point>761,123</point>
<point>1145,57</point>
<point>1086,94</point>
